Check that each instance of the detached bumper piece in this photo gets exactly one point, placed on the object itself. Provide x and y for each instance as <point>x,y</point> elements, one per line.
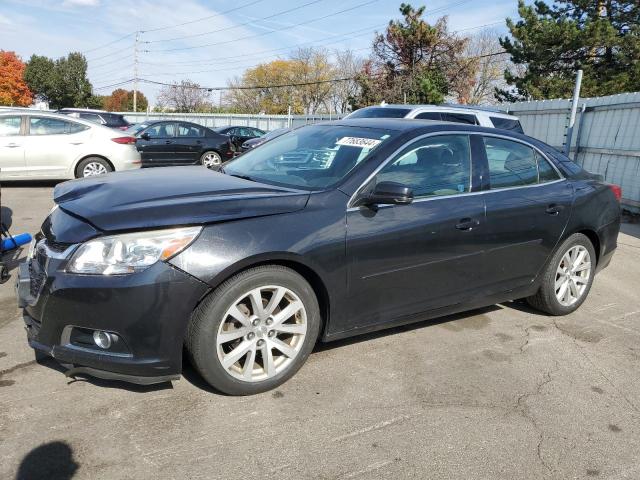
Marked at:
<point>83,371</point>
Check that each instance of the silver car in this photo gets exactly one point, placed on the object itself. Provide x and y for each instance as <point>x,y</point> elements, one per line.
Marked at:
<point>40,145</point>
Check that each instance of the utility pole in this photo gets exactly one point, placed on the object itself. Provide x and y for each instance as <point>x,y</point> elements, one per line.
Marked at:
<point>135,73</point>
<point>572,115</point>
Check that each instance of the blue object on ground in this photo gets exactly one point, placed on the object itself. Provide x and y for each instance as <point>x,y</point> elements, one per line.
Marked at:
<point>15,242</point>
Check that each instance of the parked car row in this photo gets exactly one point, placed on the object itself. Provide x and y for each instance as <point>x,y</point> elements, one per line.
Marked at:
<point>82,143</point>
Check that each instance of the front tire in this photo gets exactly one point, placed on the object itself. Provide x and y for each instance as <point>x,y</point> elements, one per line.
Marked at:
<point>212,160</point>
<point>255,331</point>
<point>92,166</point>
<point>567,278</point>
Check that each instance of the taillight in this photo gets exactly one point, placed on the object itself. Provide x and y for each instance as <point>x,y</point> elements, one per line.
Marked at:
<point>617,191</point>
<point>124,140</point>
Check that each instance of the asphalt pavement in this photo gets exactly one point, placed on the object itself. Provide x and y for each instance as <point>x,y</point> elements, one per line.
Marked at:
<point>498,393</point>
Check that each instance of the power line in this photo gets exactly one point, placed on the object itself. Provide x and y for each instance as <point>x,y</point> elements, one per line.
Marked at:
<point>149,30</point>
<point>266,33</point>
<point>238,25</point>
<point>108,44</point>
<point>256,87</point>
<point>113,85</point>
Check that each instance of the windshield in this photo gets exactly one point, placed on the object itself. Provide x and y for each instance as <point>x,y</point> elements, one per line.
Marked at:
<point>380,112</point>
<point>313,157</point>
<point>136,128</point>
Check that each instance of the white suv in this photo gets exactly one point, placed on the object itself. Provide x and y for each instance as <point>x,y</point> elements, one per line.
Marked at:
<point>485,117</point>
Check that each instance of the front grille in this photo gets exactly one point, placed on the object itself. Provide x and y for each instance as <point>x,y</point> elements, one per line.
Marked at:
<point>37,278</point>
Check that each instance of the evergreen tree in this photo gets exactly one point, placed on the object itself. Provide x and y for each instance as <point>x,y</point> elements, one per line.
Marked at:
<point>551,42</point>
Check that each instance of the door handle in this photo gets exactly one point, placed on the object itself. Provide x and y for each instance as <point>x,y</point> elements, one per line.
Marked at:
<point>554,209</point>
<point>168,142</point>
<point>467,224</point>
<point>12,145</point>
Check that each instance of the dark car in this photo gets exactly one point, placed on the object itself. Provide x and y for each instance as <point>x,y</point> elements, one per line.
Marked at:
<point>108,119</point>
<point>239,135</point>
<point>167,142</point>
<point>254,142</point>
<point>386,222</point>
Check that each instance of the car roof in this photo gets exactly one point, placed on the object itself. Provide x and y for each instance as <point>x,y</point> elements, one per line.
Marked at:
<point>85,110</point>
<point>421,126</point>
<point>445,107</point>
<point>41,113</point>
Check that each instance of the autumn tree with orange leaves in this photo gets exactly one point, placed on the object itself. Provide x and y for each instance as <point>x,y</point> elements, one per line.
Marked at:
<point>13,89</point>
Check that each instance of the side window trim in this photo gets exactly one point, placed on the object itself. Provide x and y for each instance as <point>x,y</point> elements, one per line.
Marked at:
<point>484,168</point>
<point>487,187</point>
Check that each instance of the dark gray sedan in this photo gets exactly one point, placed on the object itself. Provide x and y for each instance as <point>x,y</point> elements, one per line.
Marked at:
<point>325,232</point>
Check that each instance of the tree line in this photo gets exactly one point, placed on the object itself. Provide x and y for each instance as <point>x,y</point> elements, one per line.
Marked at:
<point>411,61</point>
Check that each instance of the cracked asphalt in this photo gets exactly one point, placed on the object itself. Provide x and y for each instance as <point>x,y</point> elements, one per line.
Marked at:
<point>498,393</point>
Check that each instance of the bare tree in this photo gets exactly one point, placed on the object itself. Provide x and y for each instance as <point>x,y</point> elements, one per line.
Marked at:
<point>483,50</point>
<point>186,96</point>
<point>346,65</point>
<point>312,65</point>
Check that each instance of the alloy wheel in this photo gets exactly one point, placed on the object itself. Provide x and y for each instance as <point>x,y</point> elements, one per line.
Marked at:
<point>261,333</point>
<point>93,168</point>
<point>211,160</point>
<point>572,275</point>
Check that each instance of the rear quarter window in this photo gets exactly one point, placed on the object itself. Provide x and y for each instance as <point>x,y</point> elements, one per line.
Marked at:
<point>507,124</point>
<point>460,118</point>
<point>380,112</point>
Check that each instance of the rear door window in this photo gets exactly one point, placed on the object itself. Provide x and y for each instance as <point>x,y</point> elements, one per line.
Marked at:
<point>186,130</point>
<point>459,118</point>
<point>511,164</point>
<point>512,125</point>
<point>53,126</point>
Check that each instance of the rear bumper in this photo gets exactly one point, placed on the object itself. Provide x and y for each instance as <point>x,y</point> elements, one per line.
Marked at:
<point>148,311</point>
<point>608,236</point>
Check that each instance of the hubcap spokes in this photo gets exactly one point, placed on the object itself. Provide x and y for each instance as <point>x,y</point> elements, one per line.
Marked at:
<point>261,333</point>
<point>94,168</point>
<point>211,160</point>
<point>572,275</point>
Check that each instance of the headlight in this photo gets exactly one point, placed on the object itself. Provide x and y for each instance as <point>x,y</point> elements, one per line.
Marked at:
<point>131,252</point>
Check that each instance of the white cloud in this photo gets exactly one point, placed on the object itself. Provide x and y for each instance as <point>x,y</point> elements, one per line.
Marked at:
<point>81,3</point>
<point>4,20</point>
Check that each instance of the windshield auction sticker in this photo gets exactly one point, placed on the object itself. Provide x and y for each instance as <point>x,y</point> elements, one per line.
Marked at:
<point>358,142</point>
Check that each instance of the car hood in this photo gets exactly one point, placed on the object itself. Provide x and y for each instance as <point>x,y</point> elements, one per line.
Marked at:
<point>163,197</point>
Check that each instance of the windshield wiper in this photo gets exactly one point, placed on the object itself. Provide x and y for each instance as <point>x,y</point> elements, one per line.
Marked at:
<point>244,177</point>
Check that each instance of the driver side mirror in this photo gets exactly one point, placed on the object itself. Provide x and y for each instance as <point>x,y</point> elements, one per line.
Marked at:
<point>387,193</point>
<point>145,136</point>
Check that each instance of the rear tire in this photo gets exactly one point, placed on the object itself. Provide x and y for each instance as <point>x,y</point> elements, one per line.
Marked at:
<point>255,331</point>
<point>92,166</point>
<point>567,278</point>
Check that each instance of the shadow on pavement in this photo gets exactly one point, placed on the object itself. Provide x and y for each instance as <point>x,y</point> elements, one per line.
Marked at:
<point>30,183</point>
<point>53,461</point>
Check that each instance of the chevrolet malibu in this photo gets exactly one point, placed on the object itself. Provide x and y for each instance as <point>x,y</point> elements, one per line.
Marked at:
<point>326,232</point>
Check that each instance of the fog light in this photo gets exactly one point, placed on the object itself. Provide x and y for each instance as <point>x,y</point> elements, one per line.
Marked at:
<point>102,339</point>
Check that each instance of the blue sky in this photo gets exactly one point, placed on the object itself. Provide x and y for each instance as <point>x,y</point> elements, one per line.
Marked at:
<point>223,38</point>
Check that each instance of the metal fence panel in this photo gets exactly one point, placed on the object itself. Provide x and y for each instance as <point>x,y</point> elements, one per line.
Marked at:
<point>214,120</point>
<point>606,137</point>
